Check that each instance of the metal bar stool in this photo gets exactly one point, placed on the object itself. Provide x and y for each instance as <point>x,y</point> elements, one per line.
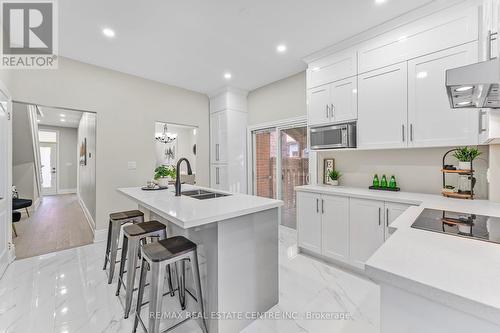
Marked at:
<point>116,220</point>
<point>155,257</point>
<point>133,236</point>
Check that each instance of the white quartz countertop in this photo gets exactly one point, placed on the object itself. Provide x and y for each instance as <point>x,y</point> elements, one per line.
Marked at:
<point>459,272</point>
<point>188,212</point>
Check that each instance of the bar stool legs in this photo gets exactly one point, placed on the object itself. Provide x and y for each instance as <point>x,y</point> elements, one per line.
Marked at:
<point>159,272</point>
<point>115,235</point>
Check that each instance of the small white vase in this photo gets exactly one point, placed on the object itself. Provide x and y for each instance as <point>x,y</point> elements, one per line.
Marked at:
<point>334,182</point>
<point>162,182</point>
<point>464,165</point>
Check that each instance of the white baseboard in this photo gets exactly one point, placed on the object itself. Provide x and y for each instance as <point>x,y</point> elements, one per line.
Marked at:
<point>88,216</point>
<point>66,191</point>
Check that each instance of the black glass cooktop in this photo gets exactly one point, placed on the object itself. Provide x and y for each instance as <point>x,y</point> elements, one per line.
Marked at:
<point>474,226</point>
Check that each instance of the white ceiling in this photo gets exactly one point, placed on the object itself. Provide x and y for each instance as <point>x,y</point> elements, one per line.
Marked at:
<point>53,117</point>
<point>191,43</point>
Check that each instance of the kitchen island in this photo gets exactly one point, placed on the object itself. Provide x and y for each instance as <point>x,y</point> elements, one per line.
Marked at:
<point>237,238</point>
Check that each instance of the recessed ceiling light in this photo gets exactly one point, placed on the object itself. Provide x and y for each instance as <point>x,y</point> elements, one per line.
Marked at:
<point>62,115</point>
<point>227,76</point>
<point>110,33</point>
<point>281,48</point>
<point>379,2</point>
<point>464,103</point>
<point>38,120</point>
<point>63,120</point>
<point>466,88</point>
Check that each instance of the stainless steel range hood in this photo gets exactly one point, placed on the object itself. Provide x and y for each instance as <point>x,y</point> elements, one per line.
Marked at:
<point>474,86</point>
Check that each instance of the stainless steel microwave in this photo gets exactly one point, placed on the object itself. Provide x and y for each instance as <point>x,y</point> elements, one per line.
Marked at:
<point>333,136</point>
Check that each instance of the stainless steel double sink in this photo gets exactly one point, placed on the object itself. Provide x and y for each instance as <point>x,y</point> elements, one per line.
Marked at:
<point>203,194</point>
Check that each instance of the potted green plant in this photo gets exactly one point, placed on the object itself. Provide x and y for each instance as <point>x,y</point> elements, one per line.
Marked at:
<point>334,176</point>
<point>164,174</point>
<point>465,156</point>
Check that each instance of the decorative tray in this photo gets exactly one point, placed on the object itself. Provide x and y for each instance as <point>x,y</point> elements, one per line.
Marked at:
<point>156,188</point>
<point>379,188</point>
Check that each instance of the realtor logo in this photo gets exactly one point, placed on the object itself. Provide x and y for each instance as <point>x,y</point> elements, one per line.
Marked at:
<point>29,34</point>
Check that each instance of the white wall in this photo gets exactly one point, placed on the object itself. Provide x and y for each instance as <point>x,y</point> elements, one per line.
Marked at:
<point>416,170</point>
<point>23,178</point>
<point>87,173</point>
<point>23,165</point>
<point>127,108</point>
<point>279,100</point>
<point>67,156</point>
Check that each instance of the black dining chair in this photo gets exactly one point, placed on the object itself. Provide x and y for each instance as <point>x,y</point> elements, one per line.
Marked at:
<point>16,217</point>
<point>18,203</point>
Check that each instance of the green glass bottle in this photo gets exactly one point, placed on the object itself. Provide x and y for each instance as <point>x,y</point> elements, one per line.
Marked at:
<point>392,182</point>
<point>376,182</point>
<point>383,182</point>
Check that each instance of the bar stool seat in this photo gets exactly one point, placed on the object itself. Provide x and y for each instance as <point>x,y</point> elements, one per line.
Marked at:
<point>116,220</point>
<point>133,236</point>
<point>156,257</point>
<point>169,248</point>
<point>129,214</point>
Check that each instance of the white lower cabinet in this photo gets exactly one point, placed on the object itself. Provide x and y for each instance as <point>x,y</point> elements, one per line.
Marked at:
<point>345,229</point>
<point>392,212</point>
<point>309,221</point>
<point>367,229</point>
<point>335,227</point>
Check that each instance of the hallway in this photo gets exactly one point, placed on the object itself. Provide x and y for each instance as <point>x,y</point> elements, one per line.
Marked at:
<point>58,223</point>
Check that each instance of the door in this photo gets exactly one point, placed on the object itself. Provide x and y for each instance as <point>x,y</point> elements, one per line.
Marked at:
<point>309,221</point>
<point>294,165</point>
<point>344,96</point>
<point>5,179</point>
<point>382,108</point>
<point>48,160</point>
<point>392,212</point>
<point>432,122</point>
<point>218,133</point>
<point>219,174</point>
<point>264,143</point>
<point>335,227</point>
<point>366,229</point>
<point>319,105</point>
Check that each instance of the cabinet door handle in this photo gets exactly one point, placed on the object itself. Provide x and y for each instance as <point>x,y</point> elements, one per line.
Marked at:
<point>482,113</point>
<point>322,206</point>
<point>411,132</point>
<point>216,151</point>
<point>403,132</point>
<point>332,111</point>
<point>379,216</point>
<point>217,176</point>
<point>327,111</point>
<point>317,205</point>
<point>492,36</point>
<point>387,217</point>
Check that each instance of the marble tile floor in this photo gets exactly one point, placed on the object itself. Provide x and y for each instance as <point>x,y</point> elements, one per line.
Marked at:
<point>66,292</point>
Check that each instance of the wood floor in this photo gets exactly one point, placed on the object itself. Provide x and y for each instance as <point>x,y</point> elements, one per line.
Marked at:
<point>57,224</point>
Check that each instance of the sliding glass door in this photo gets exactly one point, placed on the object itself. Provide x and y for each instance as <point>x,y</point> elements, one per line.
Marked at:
<point>280,163</point>
<point>294,170</point>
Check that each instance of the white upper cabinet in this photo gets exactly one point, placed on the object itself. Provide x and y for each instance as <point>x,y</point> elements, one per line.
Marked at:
<point>366,229</point>
<point>332,68</point>
<point>435,32</point>
<point>218,136</point>
<point>344,100</point>
<point>318,111</point>
<point>432,122</point>
<point>334,102</point>
<point>488,37</point>
<point>382,108</point>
